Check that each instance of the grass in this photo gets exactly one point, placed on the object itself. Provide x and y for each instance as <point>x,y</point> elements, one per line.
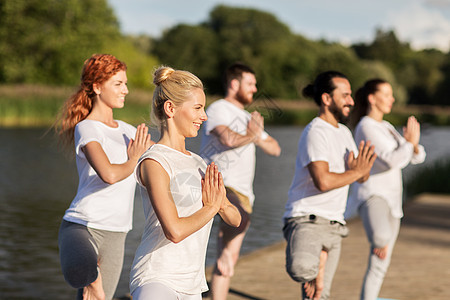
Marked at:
<point>432,179</point>
<point>35,105</point>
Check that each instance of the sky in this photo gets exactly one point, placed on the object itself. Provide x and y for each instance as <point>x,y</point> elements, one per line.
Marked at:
<point>422,23</point>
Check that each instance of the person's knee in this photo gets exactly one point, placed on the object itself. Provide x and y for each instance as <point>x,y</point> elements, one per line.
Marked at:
<point>380,239</point>
<point>79,275</point>
<point>302,270</point>
<point>242,228</point>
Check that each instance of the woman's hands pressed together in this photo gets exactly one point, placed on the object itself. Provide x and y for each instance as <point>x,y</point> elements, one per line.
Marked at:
<point>411,132</point>
<point>213,189</point>
<point>214,195</point>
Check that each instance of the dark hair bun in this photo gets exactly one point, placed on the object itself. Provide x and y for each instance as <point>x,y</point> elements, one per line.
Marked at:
<point>308,91</point>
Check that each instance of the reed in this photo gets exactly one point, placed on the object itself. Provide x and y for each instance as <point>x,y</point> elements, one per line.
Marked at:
<point>434,178</point>
<point>38,105</point>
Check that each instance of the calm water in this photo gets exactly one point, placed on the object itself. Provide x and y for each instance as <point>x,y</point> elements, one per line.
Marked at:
<point>37,184</point>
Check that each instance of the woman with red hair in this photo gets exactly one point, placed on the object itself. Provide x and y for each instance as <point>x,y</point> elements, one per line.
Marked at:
<point>94,227</point>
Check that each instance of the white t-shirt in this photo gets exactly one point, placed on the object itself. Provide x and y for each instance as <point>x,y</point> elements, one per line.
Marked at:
<point>236,164</point>
<point>180,266</point>
<point>393,154</point>
<point>98,204</point>
<point>320,141</point>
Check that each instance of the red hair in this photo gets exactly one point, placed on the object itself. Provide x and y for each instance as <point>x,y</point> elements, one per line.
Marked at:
<point>96,70</point>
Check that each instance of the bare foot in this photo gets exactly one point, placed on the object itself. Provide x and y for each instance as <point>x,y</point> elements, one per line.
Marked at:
<point>94,291</point>
<point>314,288</point>
<point>225,265</point>
<point>381,252</point>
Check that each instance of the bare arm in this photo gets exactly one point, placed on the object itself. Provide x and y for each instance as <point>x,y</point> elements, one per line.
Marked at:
<point>269,146</point>
<point>324,180</point>
<point>359,168</point>
<point>112,173</point>
<point>176,228</point>
<point>255,128</point>
<point>231,138</point>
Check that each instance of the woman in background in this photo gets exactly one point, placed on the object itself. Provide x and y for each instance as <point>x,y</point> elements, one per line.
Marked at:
<point>179,205</point>
<point>94,227</point>
<point>379,199</point>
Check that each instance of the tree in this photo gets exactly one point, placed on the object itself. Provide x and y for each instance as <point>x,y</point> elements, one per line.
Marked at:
<point>139,63</point>
<point>233,34</point>
<point>442,96</point>
<point>192,48</point>
<point>245,33</point>
<point>385,47</point>
<point>46,41</point>
<point>420,72</point>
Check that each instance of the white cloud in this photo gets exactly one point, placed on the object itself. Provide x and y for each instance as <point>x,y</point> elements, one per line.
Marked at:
<point>423,26</point>
<point>444,4</point>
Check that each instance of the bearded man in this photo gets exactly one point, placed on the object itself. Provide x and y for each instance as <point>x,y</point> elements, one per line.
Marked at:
<point>325,166</point>
<point>229,138</point>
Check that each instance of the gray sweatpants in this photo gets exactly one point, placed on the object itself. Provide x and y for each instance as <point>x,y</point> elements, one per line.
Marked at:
<point>84,251</point>
<point>381,229</point>
<point>306,237</point>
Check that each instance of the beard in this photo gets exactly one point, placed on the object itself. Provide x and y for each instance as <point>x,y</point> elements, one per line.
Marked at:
<point>338,114</point>
<point>243,97</point>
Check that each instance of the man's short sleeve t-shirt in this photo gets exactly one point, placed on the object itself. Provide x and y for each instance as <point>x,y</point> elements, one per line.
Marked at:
<point>236,164</point>
<point>320,141</point>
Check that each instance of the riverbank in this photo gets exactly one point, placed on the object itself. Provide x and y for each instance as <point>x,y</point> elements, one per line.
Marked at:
<point>35,105</point>
<point>419,267</point>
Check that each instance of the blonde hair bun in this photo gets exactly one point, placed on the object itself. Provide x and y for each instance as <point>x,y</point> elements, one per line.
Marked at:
<point>161,74</point>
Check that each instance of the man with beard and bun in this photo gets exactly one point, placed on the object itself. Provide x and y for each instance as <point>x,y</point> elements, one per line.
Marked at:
<point>325,166</point>
<point>229,138</point>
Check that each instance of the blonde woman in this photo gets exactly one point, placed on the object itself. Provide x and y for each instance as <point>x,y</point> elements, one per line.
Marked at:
<point>181,195</point>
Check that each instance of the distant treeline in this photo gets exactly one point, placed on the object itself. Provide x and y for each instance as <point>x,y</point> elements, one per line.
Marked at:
<point>46,41</point>
<point>28,105</point>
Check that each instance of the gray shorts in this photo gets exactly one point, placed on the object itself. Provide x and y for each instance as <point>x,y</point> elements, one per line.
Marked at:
<point>84,251</point>
<point>306,237</point>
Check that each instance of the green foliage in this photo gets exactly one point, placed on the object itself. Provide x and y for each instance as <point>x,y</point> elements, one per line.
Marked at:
<point>387,48</point>
<point>139,64</point>
<point>431,179</point>
<point>262,41</point>
<point>443,90</point>
<point>30,105</point>
<point>421,74</point>
<point>245,33</point>
<point>190,48</point>
<point>286,62</point>
<point>134,113</point>
<point>46,41</point>
<point>37,105</point>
